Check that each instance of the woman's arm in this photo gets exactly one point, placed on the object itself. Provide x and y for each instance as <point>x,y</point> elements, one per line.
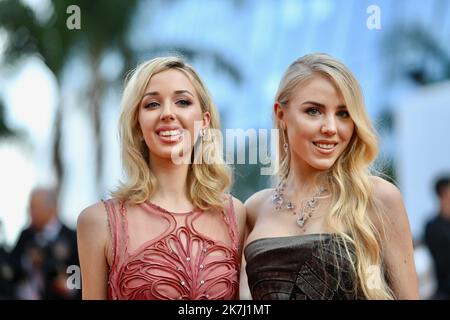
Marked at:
<point>397,241</point>
<point>252,206</point>
<point>241,217</point>
<point>244,290</point>
<point>92,233</point>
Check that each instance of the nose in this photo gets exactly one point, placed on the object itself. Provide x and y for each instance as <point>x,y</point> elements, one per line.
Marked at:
<point>329,126</point>
<point>167,112</point>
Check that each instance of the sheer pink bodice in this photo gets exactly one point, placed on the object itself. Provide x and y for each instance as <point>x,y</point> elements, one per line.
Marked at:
<point>179,262</point>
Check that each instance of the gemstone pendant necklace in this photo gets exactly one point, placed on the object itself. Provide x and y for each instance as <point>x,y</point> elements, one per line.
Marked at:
<point>304,212</point>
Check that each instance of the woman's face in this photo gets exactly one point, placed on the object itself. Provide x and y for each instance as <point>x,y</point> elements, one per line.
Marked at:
<point>168,112</point>
<point>317,123</point>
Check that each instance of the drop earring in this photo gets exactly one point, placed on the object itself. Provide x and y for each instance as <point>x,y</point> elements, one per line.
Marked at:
<point>203,134</point>
<point>285,144</point>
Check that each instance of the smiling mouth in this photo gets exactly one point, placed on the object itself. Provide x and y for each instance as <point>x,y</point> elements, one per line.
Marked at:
<point>170,135</point>
<point>326,147</point>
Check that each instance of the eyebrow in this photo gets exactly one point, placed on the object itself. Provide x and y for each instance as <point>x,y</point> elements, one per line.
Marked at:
<point>156,93</point>
<point>320,105</point>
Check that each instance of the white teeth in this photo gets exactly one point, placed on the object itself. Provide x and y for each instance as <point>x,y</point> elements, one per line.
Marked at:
<point>169,133</point>
<point>325,146</point>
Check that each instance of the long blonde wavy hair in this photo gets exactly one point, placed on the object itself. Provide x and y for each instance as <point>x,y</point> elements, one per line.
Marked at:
<point>207,180</point>
<point>350,185</point>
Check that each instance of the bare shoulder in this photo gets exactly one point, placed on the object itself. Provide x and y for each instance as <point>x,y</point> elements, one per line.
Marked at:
<point>239,208</point>
<point>386,193</point>
<point>241,215</point>
<point>93,220</point>
<point>92,235</point>
<point>240,212</point>
<point>257,199</point>
<point>255,202</point>
<point>390,197</point>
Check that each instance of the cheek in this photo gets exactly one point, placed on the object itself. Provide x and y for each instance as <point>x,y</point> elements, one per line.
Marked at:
<point>197,115</point>
<point>302,129</point>
<point>346,131</point>
<point>346,135</point>
<point>189,120</point>
<point>145,123</point>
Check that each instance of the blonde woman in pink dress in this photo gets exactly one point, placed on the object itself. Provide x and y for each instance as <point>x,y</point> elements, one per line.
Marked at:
<point>170,231</point>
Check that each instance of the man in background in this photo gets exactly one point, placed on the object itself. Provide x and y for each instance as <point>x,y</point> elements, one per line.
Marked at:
<point>437,238</point>
<point>44,251</point>
<point>6,272</point>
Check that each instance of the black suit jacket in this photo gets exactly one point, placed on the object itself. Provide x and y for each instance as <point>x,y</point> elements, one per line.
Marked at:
<point>51,259</point>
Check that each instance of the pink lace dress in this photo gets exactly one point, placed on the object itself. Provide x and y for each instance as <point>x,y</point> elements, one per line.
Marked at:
<point>178,262</point>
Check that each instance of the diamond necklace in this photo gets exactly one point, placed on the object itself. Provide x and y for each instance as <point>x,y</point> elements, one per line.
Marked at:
<point>304,212</point>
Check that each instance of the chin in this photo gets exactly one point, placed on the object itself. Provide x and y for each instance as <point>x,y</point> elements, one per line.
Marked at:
<point>166,153</point>
<point>323,165</point>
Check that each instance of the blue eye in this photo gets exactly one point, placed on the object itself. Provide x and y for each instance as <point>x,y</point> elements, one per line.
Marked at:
<point>313,111</point>
<point>184,103</point>
<point>152,105</point>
